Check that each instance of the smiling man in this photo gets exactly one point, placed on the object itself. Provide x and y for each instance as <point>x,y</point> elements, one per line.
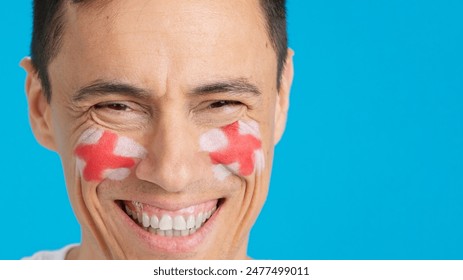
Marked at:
<point>165,115</point>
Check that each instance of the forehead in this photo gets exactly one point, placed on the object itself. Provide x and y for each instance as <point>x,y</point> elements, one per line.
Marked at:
<point>171,40</point>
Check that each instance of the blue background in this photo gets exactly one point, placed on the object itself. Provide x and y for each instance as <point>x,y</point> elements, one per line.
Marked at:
<point>371,165</point>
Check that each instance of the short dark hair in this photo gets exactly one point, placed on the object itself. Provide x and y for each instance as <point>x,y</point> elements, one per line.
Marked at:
<point>49,27</point>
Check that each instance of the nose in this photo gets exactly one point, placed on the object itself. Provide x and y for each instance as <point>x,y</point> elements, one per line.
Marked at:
<point>172,155</point>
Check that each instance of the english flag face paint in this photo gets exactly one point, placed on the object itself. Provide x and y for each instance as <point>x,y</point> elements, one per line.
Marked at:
<point>103,155</point>
<point>235,148</point>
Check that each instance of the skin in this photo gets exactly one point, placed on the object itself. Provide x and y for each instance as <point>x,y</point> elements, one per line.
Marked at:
<point>169,51</point>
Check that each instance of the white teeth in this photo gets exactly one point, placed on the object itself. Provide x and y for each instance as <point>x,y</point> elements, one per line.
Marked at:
<point>204,218</point>
<point>179,223</point>
<point>146,220</point>
<point>127,209</point>
<point>165,223</point>
<point>190,222</point>
<point>169,226</point>
<point>154,222</point>
<point>199,220</point>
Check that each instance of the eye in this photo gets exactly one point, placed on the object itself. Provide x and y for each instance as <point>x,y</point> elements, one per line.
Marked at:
<point>223,103</point>
<point>113,106</point>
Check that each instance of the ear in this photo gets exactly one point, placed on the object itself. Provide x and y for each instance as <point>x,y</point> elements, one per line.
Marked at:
<point>282,104</point>
<point>39,108</point>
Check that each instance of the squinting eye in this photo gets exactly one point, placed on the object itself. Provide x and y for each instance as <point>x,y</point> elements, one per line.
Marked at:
<point>223,103</point>
<point>113,106</point>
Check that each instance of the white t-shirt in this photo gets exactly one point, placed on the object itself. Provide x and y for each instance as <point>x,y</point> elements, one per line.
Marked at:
<point>52,255</point>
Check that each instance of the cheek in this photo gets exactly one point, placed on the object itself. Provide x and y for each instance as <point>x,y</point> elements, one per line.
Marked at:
<point>235,148</point>
<point>105,155</point>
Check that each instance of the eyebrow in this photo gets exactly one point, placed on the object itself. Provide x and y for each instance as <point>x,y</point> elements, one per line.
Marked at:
<point>102,88</point>
<point>240,85</point>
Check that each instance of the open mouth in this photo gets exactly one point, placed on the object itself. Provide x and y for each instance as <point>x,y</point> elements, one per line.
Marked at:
<point>181,222</point>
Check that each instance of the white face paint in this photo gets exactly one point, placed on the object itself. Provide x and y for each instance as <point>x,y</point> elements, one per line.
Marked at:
<point>213,140</point>
<point>234,149</point>
<point>103,155</point>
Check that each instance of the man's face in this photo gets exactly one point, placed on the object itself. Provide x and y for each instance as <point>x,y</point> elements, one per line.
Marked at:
<point>165,115</point>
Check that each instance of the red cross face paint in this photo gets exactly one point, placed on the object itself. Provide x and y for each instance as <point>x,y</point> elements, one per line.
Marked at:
<point>103,155</point>
<point>235,148</point>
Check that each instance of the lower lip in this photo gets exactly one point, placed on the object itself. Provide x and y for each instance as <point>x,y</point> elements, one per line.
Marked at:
<point>175,244</point>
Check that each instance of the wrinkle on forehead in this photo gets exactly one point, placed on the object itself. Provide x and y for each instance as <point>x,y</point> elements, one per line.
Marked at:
<point>169,15</point>
<point>164,45</point>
